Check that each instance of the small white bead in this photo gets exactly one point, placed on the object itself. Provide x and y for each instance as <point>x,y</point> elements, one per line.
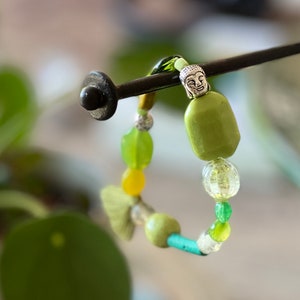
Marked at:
<point>207,245</point>
<point>144,122</point>
<point>221,179</point>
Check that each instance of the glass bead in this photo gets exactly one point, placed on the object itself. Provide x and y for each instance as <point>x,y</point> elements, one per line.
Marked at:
<point>144,122</point>
<point>207,245</point>
<point>219,232</point>
<point>221,179</point>
<point>141,212</point>
<point>223,211</point>
<point>158,228</point>
<point>137,148</point>
<point>133,182</point>
<point>211,126</point>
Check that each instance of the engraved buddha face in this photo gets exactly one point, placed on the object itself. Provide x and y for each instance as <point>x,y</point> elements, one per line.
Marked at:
<point>194,81</point>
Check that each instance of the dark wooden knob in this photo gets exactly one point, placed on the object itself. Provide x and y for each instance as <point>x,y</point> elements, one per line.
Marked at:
<point>98,95</point>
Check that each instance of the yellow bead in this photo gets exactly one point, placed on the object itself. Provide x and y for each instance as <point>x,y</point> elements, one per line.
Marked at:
<point>133,182</point>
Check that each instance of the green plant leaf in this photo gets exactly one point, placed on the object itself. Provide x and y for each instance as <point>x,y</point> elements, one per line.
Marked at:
<point>18,111</point>
<point>62,257</point>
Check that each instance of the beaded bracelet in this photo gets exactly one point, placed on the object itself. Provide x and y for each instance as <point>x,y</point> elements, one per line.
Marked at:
<point>214,136</point>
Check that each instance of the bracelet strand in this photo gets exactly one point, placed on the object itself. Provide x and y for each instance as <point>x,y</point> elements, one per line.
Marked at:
<point>214,137</point>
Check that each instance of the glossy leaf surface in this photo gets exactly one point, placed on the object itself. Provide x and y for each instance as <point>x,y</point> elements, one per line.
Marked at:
<point>62,257</point>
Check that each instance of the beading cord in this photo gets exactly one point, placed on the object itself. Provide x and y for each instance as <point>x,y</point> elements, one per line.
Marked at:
<point>214,136</point>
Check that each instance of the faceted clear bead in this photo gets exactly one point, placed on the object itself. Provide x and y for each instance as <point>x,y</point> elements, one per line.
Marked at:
<point>207,245</point>
<point>223,211</point>
<point>221,179</point>
<point>144,122</point>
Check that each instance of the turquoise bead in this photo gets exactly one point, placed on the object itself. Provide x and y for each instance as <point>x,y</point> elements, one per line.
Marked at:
<point>137,149</point>
<point>182,243</point>
<point>223,211</point>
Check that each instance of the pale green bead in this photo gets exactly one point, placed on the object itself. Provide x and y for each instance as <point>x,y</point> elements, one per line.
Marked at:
<point>137,149</point>
<point>221,179</point>
<point>211,126</point>
<point>158,227</point>
<point>219,232</point>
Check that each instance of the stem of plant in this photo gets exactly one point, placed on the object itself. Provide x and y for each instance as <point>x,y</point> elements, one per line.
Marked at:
<point>17,200</point>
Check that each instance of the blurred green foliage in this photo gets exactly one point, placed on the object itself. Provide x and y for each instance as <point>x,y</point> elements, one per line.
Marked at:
<point>62,257</point>
<point>18,111</point>
<point>46,254</point>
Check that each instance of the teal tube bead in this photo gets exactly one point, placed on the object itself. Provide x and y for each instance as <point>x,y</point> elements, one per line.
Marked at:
<point>177,241</point>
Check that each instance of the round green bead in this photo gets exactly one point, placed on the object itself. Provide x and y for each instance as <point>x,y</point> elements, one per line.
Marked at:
<point>211,126</point>
<point>219,232</point>
<point>158,228</point>
<point>223,211</point>
<point>137,149</point>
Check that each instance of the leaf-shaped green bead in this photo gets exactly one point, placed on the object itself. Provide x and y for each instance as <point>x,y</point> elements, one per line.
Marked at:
<point>117,205</point>
<point>137,149</point>
<point>211,126</point>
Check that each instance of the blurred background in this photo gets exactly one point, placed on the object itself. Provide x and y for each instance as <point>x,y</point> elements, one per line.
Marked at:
<point>56,43</point>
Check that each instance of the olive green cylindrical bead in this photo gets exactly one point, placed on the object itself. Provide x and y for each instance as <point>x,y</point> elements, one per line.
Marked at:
<point>211,126</point>
<point>137,149</point>
<point>158,228</point>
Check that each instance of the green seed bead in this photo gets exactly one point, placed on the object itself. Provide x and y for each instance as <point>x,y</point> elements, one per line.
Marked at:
<point>223,211</point>
<point>219,232</point>
<point>211,126</point>
<point>158,227</point>
<point>137,149</point>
